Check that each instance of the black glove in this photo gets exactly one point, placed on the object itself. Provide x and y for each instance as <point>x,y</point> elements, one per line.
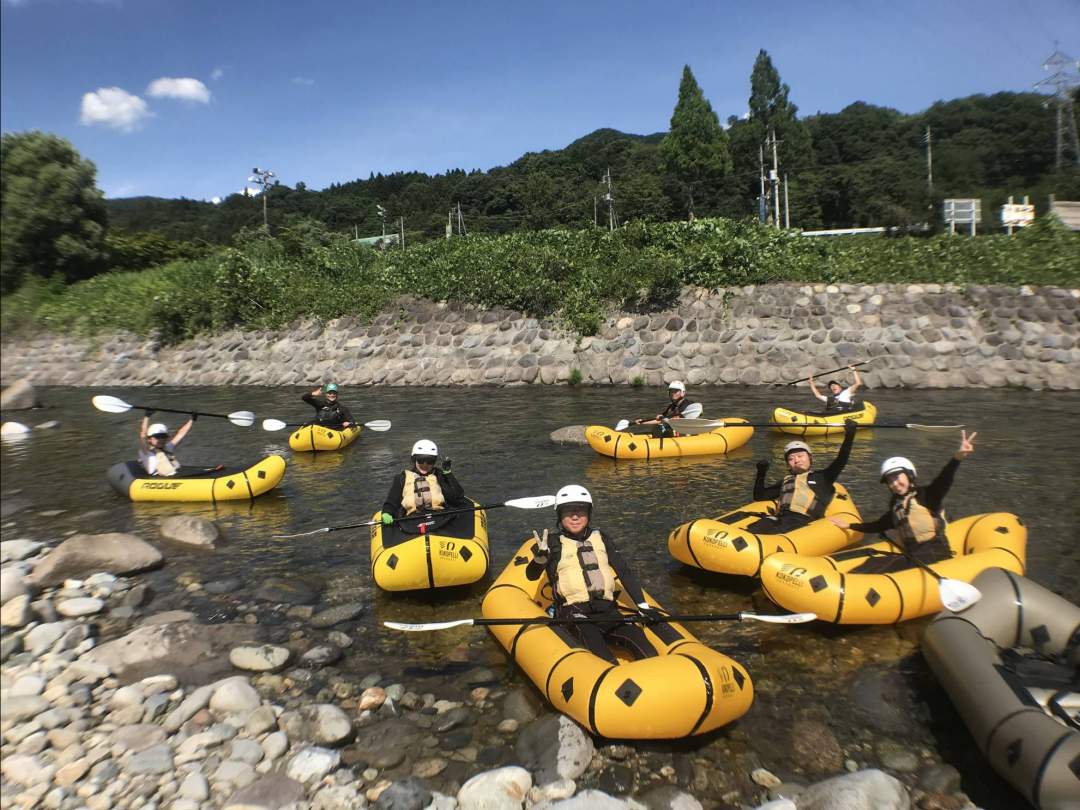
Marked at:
<point>446,465</point>
<point>762,465</point>
<point>194,417</point>
<point>148,412</point>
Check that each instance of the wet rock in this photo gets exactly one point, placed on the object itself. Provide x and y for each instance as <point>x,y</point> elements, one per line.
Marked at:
<point>616,779</point>
<point>409,794</point>
<point>522,705</point>
<point>19,396</point>
<point>767,779</point>
<point>312,764</point>
<point>669,797</point>
<point>269,792</point>
<point>337,614</point>
<point>372,698</point>
<point>84,554</point>
<point>814,747</point>
<point>234,696</point>
<point>500,789</point>
<point>323,724</point>
<point>863,790</point>
<point>896,757</point>
<point>260,721</point>
<point>274,745</point>
<point>939,778</point>
<point>195,702</point>
<point>457,716</point>
<point>177,649</point>
<point>321,656</point>
<point>288,591</point>
<point>338,797</point>
<point>191,530</point>
<point>571,434</point>
<point>222,586</point>
<point>554,747</point>
<point>882,700</point>
<point>264,658</point>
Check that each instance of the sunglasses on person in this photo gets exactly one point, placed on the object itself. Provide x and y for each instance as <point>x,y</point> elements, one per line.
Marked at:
<point>425,459</point>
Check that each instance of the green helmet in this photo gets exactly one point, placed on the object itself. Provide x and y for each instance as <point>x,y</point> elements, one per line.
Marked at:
<point>331,387</point>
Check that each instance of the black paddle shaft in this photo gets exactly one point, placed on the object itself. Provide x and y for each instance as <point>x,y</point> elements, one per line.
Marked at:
<point>820,373</point>
<point>175,410</point>
<point>876,552</point>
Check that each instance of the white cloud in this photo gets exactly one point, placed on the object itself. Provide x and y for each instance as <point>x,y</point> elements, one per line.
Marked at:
<point>217,73</point>
<point>182,89</point>
<point>303,81</point>
<point>113,107</point>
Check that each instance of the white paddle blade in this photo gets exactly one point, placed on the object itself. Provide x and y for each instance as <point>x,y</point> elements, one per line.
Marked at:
<point>10,429</point>
<point>622,424</point>
<point>109,404</point>
<point>378,425</point>
<point>693,411</point>
<point>242,418</point>
<point>273,424</point>
<point>539,502</point>
<point>420,628</point>
<point>787,618</point>
<point>958,596</point>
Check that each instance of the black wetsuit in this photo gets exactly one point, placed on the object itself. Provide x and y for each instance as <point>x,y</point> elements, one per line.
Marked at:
<point>820,481</point>
<point>329,414</point>
<point>929,551</point>
<point>453,493</point>
<point>596,636</point>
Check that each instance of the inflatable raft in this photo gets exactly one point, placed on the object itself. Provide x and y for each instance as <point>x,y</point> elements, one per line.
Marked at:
<point>800,423</point>
<point>1000,661</point>
<point>317,437</point>
<point>226,484</point>
<point>724,545</point>
<point>825,586</point>
<point>633,700</point>
<point>618,444</point>
<point>452,550</point>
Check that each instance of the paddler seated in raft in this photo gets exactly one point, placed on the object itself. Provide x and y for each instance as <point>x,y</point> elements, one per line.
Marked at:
<point>804,493</point>
<point>674,410</point>
<point>838,399</point>
<point>156,449</point>
<point>915,519</point>
<point>329,413</point>
<point>424,487</point>
<point>581,564</point>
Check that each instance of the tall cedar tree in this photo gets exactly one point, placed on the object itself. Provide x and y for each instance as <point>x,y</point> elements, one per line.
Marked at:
<point>695,150</point>
<point>771,108</point>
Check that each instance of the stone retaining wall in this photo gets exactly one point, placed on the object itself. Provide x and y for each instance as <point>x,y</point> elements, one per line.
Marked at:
<point>936,336</point>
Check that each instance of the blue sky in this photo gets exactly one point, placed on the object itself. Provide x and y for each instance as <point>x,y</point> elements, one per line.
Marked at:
<point>182,98</point>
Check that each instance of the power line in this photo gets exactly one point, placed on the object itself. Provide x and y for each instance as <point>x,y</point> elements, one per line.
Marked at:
<point>1063,79</point>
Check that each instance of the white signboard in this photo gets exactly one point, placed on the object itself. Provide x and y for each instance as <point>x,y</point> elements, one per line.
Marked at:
<point>963,212</point>
<point>1016,215</point>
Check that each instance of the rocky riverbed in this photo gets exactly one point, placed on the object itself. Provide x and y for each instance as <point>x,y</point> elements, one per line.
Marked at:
<point>125,684</point>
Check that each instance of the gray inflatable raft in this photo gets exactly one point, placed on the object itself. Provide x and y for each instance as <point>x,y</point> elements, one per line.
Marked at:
<point>1036,748</point>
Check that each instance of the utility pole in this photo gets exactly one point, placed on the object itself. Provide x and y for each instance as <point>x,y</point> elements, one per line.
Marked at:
<point>594,210</point>
<point>1063,79</point>
<point>787,211</point>
<point>610,198</point>
<point>774,179</point>
<point>461,222</point>
<point>763,204</point>
<point>449,223</point>
<point>382,216</point>
<point>262,178</point>
<point>401,225</point>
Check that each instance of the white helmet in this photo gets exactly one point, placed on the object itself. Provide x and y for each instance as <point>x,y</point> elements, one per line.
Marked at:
<point>676,385</point>
<point>425,447</point>
<point>791,447</point>
<point>157,429</point>
<point>572,493</point>
<point>897,464</point>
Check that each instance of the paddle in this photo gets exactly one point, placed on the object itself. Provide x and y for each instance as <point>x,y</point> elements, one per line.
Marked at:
<point>114,405</point>
<point>823,373</point>
<point>789,618</point>
<point>538,502</point>
<point>713,424</point>
<point>956,595</point>
<point>378,425</point>
<point>693,410</point>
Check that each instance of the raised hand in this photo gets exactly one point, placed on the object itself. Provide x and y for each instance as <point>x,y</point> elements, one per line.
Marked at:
<point>541,541</point>
<point>967,445</point>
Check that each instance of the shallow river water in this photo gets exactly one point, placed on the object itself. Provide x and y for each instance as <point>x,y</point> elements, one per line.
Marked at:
<point>865,684</point>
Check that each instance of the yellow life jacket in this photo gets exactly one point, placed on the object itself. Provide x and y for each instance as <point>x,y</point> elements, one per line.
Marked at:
<point>166,463</point>
<point>421,492</point>
<point>573,583</point>
<point>914,523</point>
<point>796,495</point>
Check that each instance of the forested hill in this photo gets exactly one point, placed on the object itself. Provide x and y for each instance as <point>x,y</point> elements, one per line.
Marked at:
<point>865,165</point>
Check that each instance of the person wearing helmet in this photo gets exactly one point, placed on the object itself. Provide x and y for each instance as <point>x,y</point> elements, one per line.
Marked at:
<point>329,412</point>
<point>838,399</point>
<point>915,517</point>
<point>674,410</point>
<point>423,487</point>
<point>156,449</point>
<point>582,564</point>
<point>804,493</point>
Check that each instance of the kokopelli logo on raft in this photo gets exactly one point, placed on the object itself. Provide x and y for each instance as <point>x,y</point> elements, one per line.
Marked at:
<point>447,548</point>
<point>717,537</point>
<point>161,485</point>
<point>791,574</point>
<point>727,683</point>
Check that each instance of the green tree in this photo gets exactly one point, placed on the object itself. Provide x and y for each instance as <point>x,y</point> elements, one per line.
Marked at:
<point>695,150</point>
<point>772,109</point>
<point>52,216</point>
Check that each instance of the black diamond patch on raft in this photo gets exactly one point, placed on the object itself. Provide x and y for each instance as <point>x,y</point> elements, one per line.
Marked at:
<point>873,597</point>
<point>1074,766</point>
<point>1002,530</point>
<point>632,446</point>
<point>466,554</point>
<point>392,561</point>
<point>818,582</point>
<point>1040,635</point>
<point>568,689</point>
<point>261,474</point>
<point>230,484</point>
<point>739,543</point>
<point>628,692</point>
<point>740,679</point>
<point>1012,751</point>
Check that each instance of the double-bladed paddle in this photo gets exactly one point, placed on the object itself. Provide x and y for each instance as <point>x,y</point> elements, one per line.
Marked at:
<point>692,411</point>
<point>538,502</point>
<point>700,425</point>
<point>109,404</point>
<point>823,373</point>
<point>956,594</point>
<point>378,425</point>
<point>787,618</point>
